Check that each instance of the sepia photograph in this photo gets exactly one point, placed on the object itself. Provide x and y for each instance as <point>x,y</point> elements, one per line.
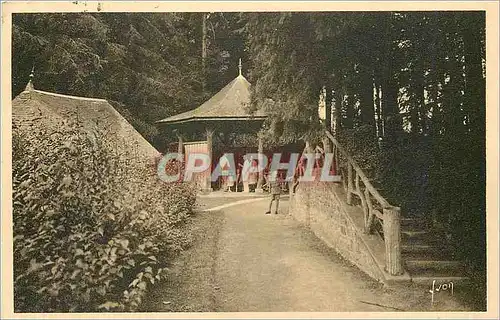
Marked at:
<point>177,160</point>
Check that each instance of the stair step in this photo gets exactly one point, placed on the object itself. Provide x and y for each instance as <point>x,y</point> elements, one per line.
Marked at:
<point>436,255</point>
<point>423,240</point>
<point>427,255</point>
<point>428,265</point>
<point>433,269</point>
<point>422,247</point>
<point>413,235</point>
<point>412,223</point>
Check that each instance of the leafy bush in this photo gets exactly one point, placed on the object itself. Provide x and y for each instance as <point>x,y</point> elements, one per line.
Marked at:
<point>360,144</point>
<point>400,169</point>
<point>91,232</point>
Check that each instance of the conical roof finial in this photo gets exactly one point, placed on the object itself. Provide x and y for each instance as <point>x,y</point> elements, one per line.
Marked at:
<point>30,86</point>
<point>239,66</point>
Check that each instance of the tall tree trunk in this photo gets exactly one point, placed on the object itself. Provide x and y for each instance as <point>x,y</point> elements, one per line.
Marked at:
<point>475,83</point>
<point>349,107</point>
<point>422,106</point>
<point>328,108</point>
<point>418,108</point>
<point>434,79</point>
<point>473,30</point>
<point>337,106</point>
<point>367,112</point>
<point>378,105</point>
<point>453,114</point>
<point>390,108</point>
<point>204,48</point>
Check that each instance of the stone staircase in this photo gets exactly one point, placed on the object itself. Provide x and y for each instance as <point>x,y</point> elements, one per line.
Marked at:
<point>426,254</point>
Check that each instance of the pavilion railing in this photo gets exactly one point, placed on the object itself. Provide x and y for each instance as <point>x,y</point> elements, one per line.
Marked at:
<point>375,207</point>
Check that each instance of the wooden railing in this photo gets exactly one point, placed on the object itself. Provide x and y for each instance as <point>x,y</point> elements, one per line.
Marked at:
<point>374,206</point>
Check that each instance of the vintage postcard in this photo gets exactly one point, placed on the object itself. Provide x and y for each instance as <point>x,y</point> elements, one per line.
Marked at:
<point>249,159</point>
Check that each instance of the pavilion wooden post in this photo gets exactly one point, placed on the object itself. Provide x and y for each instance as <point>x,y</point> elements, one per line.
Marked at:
<point>260,181</point>
<point>208,183</point>
<point>180,147</point>
<point>308,147</point>
<point>180,150</point>
<point>327,147</point>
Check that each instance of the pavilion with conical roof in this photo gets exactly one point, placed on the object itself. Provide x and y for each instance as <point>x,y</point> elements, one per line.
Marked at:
<point>223,117</point>
<point>229,104</point>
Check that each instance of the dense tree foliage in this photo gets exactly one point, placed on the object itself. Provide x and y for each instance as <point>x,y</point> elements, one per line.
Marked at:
<point>149,64</point>
<point>414,80</point>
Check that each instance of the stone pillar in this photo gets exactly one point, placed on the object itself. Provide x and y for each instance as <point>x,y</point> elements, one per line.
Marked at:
<point>245,177</point>
<point>392,239</point>
<point>260,182</point>
<point>208,183</point>
<point>349,183</point>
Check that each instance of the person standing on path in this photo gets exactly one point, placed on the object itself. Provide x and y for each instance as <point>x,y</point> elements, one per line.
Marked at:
<point>275,190</point>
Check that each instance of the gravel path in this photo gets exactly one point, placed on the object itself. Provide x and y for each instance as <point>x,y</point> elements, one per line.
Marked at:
<point>244,260</point>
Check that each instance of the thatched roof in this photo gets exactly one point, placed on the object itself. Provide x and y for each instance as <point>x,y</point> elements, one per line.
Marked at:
<point>35,110</point>
<point>230,103</point>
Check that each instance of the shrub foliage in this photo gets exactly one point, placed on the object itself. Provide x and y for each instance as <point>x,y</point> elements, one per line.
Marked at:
<point>89,233</point>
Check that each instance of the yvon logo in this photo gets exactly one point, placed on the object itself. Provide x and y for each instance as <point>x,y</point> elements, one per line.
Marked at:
<point>448,286</point>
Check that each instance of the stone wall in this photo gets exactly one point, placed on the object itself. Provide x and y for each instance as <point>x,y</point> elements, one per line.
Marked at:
<point>323,208</point>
